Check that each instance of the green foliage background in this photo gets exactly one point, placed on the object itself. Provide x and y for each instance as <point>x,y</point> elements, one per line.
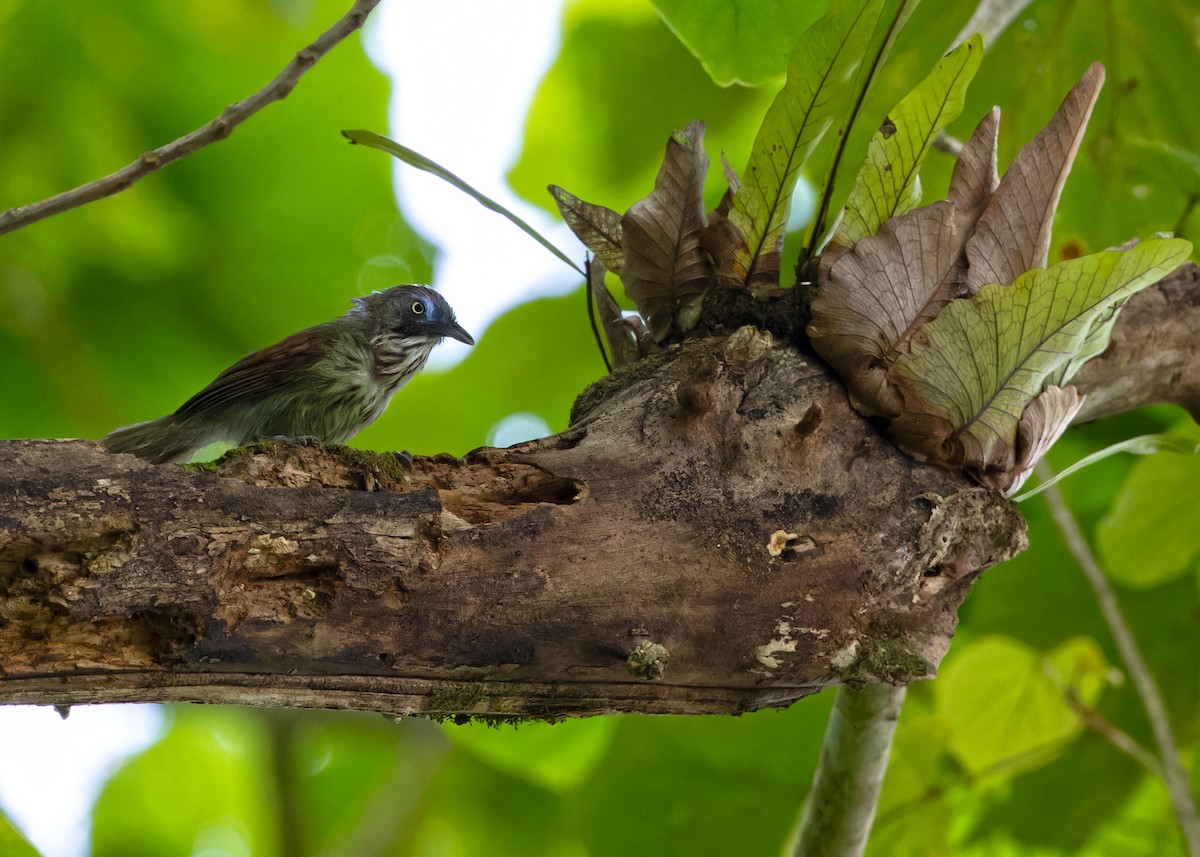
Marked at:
<point>117,311</point>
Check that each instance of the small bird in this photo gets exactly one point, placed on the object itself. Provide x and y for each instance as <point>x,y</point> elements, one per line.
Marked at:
<point>327,382</point>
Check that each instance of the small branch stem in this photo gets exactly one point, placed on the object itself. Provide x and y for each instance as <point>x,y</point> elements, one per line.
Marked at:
<point>990,19</point>
<point>218,129</point>
<point>841,806</point>
<point>1119,738</point>
<point>281,725</point>
<point>946,144</point>
<point>1173,773</point>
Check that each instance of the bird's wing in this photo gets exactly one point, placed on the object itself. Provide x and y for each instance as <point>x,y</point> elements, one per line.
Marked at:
<point>261,372</point>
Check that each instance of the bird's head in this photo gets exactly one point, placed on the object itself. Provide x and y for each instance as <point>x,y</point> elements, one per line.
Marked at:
<point>410,312</point>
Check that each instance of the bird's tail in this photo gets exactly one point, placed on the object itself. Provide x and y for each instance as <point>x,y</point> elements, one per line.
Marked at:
<point>158,441</point>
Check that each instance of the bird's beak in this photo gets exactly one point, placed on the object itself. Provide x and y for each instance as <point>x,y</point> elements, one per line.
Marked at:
<point>455,331</point>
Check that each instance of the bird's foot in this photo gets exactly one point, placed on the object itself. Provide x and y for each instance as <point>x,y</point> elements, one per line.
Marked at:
<point>303,440</point>
<point>269,446</point>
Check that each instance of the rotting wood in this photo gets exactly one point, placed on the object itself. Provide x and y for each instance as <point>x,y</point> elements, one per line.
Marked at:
<point>519,582</point>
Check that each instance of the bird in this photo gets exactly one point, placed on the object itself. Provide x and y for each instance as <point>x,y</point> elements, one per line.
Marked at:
<point>324,383</point>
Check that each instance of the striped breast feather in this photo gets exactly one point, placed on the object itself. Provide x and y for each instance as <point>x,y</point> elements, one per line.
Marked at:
<point>397,358</point>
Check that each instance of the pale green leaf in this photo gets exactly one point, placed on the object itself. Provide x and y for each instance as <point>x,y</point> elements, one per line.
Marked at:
<point>746,236</point>
<point>1151,535</point>
<point>1007,702</point>
<point>1093,345</point>
<point>982,361</point>
<point>887,184</point>
<point>416,159</point>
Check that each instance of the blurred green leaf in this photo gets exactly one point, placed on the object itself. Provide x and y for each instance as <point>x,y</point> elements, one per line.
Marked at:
<point>1060,806</point>
<point>1177,165</point>
<point>1152,533</point>
<point>12,843</point>
<point>472,809</point>
<point>1144,825</point>
<point>355,781</point>
<point>1078,666</point>
<point>620,85</point>
<point>740,41</point>
<point>555,756</point>
<point>205,785</point>
<point>1005,703</point>
<point>672,785</point>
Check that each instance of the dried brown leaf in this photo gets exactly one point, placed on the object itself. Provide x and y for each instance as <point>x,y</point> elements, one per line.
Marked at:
<point>731,179</point>
<point>975,178</point>
<point>1013,233</point>
<point>622,339</point>
<point>666,270</point>
<point>1044,420</point>
<point>875,295</point>
<point>598,227</point>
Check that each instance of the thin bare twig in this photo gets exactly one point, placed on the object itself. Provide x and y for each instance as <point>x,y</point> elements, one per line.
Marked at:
<point>1173,773</point>
<point>1119,738</point>
<point>217,129</point>
<point>947,145</point>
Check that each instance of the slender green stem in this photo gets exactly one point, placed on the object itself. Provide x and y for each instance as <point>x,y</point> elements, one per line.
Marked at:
<point>858,741</point>
<point>1173,773</point>
<point>1120,739</point>
<point>416,159</point>
<point>281,728</point>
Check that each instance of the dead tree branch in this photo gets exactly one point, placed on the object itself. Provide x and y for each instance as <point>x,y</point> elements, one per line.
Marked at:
<point>717,532</point>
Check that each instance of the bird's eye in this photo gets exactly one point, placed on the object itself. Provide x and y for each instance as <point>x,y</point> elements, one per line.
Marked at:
<point>418,308</point>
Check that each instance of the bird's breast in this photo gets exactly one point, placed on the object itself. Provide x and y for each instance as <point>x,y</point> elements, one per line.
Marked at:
<point>395,360</point>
